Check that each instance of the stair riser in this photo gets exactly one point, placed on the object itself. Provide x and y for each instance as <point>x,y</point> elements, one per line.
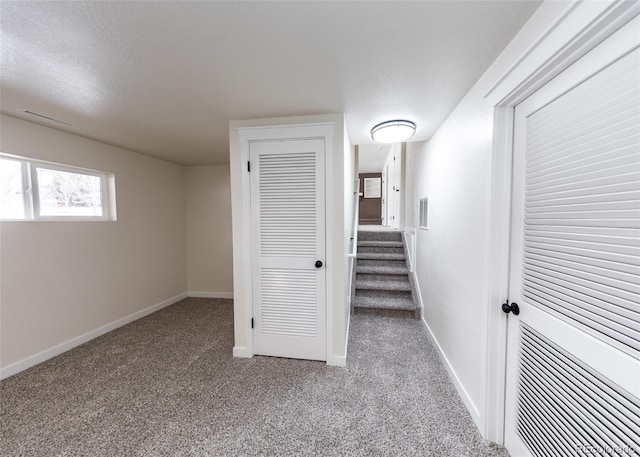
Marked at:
<point>389,244</point>
<point>382,263</point>
<point>395,313</point>
<point>381,249</point>
<point>381,270</point>
<point>382,277</point>
<point>394,302</point>
<point>379,236</point>
<point>382,294</point>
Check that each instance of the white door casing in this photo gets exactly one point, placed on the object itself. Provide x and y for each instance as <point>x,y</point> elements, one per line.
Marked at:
<point>397,182</point>
<point>385,196</point>
<point>573,370</point>
<point>288,238</point>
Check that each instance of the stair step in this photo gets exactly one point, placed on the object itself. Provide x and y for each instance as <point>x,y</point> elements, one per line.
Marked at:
<point>380,256</point>
<point>382,244</point>
<point>386,285</point>
<point>378,263</point>
<point>384,302</point>
<point>382,269</point>
<point>381,249</point>
<point>386,235</point>
<point>388,312</point>
<point>380,277</point>
<point>370,221</point>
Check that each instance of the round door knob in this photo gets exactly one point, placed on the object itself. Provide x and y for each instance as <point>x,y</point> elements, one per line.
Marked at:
<point>318,263</point>
<point>511,308</point>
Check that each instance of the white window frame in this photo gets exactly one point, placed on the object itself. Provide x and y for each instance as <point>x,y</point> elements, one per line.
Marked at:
<point>31,197</point>
<point>372,187</point>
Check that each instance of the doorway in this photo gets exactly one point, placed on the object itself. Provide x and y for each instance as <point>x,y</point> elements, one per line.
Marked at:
<point>370,196</point>
<point>380,171</point>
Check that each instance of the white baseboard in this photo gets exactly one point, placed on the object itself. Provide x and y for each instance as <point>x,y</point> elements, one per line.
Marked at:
<point>466,399</point>
<point>197,294</point>
<point>337,361</point>
<point>341,360</point>
<point>241,351</point>
<point>420,302</point>
<point>47,354</point>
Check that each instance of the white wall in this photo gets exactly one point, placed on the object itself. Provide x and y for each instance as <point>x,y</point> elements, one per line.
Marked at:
<point>335,256</point>
<point>454,170</point>
<point>350,196</point>
<point>62,280</point>
<point>208,226</point>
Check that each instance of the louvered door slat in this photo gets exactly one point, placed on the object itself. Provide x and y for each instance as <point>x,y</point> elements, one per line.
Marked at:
<point>606,235</point>
<point>621,117</point>
<point>622,157</point>
<point>620,245</point>
<point>611,86</point>
<point>558,159</point>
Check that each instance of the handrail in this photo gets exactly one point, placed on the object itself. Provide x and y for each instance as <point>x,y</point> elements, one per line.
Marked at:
<point>354,237</point>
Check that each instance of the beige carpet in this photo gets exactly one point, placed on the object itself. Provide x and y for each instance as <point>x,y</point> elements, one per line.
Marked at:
<point>167,385</point>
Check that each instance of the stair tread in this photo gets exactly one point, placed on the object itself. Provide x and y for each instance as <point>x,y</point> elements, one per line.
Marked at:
<point>395,285</point>
<point>382,269</point>
<point>400,303</point>
<point>380,256</point>
<point>384,244</point>
<point>387,235</point>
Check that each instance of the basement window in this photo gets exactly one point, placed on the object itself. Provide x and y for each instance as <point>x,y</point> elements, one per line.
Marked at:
<point>36,190</point>
<point>424,213</point>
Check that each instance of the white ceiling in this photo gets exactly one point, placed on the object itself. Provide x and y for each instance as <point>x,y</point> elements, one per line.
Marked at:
<point>165,78</point>
<point>371,157</point>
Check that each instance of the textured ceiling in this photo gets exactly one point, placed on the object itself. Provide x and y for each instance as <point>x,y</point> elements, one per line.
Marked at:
<point>165,78</point>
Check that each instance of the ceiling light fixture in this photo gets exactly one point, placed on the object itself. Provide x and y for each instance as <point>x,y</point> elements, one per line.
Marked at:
<point>393,131</point>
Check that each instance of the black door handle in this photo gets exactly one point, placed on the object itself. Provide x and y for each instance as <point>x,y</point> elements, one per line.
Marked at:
<point>318,263</point>
<point>510,308</point>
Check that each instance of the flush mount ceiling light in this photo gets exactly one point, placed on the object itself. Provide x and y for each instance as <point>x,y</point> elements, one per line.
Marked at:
<point>393,131</point>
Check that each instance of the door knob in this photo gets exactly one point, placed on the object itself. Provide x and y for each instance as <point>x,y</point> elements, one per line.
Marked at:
<point>510,308</point>
<point>318,263</point>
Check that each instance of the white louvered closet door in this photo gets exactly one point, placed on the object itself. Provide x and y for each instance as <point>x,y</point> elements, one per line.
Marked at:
<point>288,226</point>
<point>573,370</point>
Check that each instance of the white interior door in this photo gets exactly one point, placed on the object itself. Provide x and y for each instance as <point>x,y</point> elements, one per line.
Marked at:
<point>573,370</point>
<point>385,196</point>
<point>288,231</point>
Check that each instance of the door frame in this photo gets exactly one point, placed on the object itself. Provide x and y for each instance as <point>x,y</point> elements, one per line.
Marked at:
<point>579,27</point>
<point>244,307</point>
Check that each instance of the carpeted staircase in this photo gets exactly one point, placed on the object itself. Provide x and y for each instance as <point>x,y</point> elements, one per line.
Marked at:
<point>382,278</point>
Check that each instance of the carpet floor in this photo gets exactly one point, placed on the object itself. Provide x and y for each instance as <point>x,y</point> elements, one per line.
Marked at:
<point>168,385</point>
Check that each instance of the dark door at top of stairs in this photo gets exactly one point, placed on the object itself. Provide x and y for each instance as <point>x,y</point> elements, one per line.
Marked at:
<point>383,284</point>
<point>370,211</point>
